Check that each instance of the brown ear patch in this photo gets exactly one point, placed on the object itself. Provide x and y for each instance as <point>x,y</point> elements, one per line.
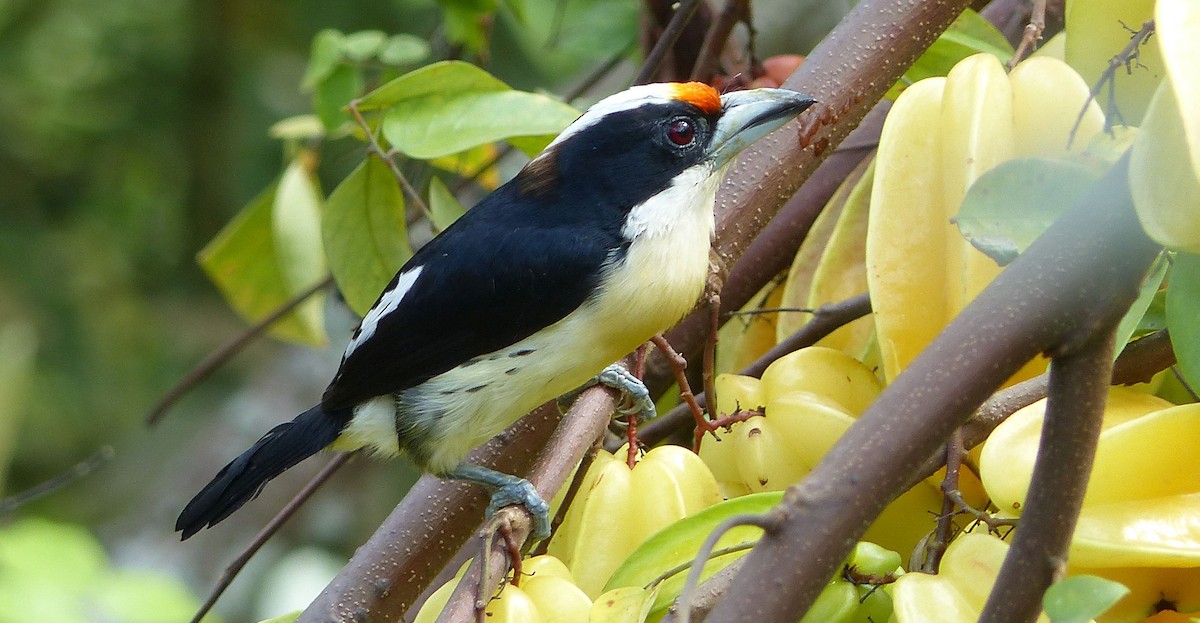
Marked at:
<point>699,95</point>
<point>540,174</point>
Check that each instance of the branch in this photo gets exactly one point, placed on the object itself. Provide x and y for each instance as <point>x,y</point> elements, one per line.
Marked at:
<point>226,351</point>
<point>234,568</point>
<point>583,424</point>
<point>76,472</point>
<point>1070,435</point>
<point>1078,277</point>
<point>670,35</point>
<point>733,12</point>
<point>1140,361</point>
<point>426,528</point>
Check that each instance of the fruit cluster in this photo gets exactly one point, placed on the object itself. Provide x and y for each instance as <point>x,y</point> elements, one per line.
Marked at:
<point>918,227</point>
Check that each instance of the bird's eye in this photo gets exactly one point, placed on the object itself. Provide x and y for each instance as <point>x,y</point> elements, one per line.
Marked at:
<point>681,131</point>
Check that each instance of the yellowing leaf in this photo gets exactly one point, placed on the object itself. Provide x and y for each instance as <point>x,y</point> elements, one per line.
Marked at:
<point>242,262</point>
<point>365,234</point>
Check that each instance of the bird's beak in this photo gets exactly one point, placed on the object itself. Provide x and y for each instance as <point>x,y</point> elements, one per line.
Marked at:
<point>747,116</point>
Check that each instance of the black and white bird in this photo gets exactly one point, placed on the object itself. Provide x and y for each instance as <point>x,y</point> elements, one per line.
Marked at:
<point>599,243</point>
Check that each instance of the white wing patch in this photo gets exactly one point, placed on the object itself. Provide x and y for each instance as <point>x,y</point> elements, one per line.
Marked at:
<point>386,305</point>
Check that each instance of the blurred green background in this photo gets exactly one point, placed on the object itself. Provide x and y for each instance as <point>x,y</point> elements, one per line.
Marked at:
<point>131,131</point>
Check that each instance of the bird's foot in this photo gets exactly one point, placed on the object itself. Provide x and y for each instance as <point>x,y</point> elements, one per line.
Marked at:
<point>621,379</point>
<point>509,490</point>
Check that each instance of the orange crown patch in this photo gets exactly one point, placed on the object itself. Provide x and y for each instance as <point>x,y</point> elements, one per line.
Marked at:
<point>699,95</point>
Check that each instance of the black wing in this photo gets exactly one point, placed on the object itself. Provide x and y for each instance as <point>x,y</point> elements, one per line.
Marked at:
<point>505,270</point>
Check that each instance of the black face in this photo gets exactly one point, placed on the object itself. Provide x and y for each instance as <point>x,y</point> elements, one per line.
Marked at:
<point>623,159</point>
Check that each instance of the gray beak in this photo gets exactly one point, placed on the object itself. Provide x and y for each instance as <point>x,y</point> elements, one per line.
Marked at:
<point>747,116</point>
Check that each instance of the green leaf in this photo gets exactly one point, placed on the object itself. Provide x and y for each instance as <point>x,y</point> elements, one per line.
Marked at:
<point>284,618</point>
<point>333,93</point>
<point>439,78</point>
<point>1081,598</point>
<point>968,35</point>
<point>365,234</point>
<point>1008,207</point>
<point>404,49</point>
<point>296,225</point>
<point>676,545</point>
<point>444,209</point>
<point>446,123</point>
<point>1132,323</point>
<point>241,261</point>
<point>1183,308</point>
<point>323,59</point>
<point>363,45</point>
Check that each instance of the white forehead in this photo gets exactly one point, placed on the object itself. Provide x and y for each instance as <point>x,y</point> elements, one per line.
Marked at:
<point>625,100</point>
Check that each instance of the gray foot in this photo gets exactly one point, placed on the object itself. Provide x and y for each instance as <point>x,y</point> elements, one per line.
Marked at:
<point>619,378</point>
<point>508,490</point>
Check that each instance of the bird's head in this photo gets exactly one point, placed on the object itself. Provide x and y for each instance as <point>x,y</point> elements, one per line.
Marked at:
<point>632,145</point>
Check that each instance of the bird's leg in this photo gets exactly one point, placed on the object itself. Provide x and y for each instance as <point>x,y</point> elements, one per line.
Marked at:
<point>509,490</point>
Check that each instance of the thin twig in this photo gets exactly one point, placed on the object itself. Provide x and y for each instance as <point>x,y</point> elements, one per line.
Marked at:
<point>74,473</point>
<point>374,147</point>
<point>1125,58</point>
<point>260,539</point>
<point>683,14</point>
<point>826,319</point>
<point>718,33</point>
<point>226,351</point>
<point>1032,34</point>
<point>936,546</point>
<point>679,365</point>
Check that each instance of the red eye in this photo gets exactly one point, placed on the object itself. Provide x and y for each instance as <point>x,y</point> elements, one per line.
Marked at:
<point>681,132</point>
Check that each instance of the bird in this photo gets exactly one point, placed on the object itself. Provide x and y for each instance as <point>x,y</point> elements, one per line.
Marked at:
<point>599,243</point>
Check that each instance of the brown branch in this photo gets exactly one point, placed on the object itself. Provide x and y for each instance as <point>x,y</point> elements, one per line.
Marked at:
<point>1077,278</point>
<point>733,12</point>
<point>582,425</point>
<point>1032,33</point>
<point>1140,361</point>
<point>936,546</point>
<point>77,471</point>
<point>268,531</point>
<point>1037,557</point>
<point>431,523</point>
<point>654,60</point>
<point>226,351</point>
<point>1125,58</point>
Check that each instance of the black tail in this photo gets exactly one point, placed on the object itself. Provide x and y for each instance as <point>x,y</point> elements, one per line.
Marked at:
<point>242,480</point>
